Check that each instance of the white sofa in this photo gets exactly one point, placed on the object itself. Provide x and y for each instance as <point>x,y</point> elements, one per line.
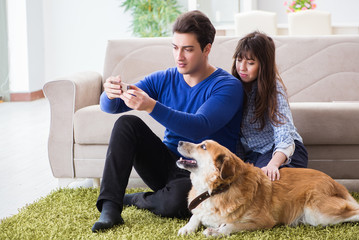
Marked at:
<point>320,72</point>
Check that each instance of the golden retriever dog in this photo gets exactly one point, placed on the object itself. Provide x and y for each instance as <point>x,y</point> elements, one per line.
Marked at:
<point>229,195</point>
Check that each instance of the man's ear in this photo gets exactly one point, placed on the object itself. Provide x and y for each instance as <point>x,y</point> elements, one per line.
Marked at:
<point>207,49</point>
<point>227,169</point>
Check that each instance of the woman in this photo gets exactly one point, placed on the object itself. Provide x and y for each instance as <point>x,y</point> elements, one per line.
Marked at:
<point>269,139</point>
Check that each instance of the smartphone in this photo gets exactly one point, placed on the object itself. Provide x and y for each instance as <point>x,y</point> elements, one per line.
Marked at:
<point>125,86</point>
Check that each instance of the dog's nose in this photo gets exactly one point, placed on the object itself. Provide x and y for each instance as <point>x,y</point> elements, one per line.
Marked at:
<point>180,143</point>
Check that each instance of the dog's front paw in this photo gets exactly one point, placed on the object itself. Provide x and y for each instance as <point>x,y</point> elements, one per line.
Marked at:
<point>211,232</point>
<point>216,232</point>
<point>187,229</point>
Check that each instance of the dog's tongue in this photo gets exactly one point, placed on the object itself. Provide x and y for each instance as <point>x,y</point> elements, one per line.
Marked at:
<point>187,162</point>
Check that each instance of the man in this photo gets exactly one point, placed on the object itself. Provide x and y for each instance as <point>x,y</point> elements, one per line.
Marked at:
<point>194,101</point>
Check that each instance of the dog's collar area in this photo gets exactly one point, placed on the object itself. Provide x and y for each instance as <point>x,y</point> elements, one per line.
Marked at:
<point>199,199</point>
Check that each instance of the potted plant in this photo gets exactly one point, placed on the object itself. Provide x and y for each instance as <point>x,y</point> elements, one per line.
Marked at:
<point>152,18</point>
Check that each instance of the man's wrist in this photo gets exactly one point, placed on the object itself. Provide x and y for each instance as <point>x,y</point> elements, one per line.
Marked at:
<point>151,106</point>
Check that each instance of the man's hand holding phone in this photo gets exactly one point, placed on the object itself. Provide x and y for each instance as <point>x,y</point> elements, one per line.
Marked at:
<point>114,87</point>
<point>133,96</point>
<point>125,87</point>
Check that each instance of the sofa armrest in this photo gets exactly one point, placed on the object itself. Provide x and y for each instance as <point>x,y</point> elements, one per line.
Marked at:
<point>66,96</point>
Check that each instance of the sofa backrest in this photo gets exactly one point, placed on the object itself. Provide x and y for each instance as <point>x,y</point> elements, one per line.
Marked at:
<point>134,58</point>
<point>313,68</point>
<point>319,69</point>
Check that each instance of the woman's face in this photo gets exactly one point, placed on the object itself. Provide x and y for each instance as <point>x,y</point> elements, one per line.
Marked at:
<point>247,69</point>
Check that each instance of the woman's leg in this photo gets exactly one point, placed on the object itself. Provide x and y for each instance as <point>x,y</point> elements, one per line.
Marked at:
<point>299,158</point>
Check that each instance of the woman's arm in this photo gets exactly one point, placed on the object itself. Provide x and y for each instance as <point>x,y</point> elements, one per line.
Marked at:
<point>283,138</point>
<point>279,158</point>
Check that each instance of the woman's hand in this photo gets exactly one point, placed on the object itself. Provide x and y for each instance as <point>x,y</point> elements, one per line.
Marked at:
<point>137,99</point>
<point>272,169</point>
<point>272,172</point>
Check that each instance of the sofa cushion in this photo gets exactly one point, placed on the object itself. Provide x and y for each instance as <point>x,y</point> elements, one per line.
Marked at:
<point>327,122</point>
<point>93,126</point>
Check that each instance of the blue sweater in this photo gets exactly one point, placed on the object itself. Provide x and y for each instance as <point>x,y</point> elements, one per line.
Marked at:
<point>212,109</point>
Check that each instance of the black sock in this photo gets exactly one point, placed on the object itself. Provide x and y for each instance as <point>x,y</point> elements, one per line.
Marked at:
<point>110,216</point>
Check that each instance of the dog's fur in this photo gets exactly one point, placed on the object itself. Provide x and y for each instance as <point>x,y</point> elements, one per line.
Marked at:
<point>252,201</point>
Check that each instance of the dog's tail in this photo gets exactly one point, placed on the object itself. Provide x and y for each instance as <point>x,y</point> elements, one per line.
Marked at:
<point>339,206</point>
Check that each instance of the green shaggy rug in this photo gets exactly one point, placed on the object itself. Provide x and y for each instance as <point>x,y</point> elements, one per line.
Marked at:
<point>70,214</point>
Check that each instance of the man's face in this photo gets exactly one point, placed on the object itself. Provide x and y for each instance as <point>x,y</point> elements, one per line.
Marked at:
<point>189,57</point>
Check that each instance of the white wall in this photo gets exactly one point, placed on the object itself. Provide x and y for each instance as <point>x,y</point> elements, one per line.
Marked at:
<point>76,34</point>
<point>54,38</point>
<point>343,11</point>
<point>35,40</point>
<point>18,45</point>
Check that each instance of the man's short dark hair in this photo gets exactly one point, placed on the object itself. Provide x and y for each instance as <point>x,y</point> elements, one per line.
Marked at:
<point>198,23</point>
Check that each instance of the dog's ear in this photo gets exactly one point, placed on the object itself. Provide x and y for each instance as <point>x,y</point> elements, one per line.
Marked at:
<point>227,168</point>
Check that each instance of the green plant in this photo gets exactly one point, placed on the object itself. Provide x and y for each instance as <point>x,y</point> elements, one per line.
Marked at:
<point>299,5</point>
<point>152,18</point>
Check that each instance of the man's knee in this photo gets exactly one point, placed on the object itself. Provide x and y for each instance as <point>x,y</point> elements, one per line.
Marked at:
<point>127,120</point>
<point>127,124</point>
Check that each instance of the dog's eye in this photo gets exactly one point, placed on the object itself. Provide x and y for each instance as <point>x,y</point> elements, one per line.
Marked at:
<point>203,146</point>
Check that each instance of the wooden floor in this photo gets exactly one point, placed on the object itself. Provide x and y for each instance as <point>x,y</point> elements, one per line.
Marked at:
<point>25,173</point>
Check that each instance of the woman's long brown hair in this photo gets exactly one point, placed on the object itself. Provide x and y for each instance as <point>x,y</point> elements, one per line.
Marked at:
<point>260,46</point>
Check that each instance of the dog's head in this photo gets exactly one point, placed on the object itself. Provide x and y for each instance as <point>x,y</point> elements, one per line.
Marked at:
<point>208,160</point>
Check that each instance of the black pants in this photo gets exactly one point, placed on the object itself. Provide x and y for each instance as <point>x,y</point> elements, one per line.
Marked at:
<point>299,159</point>
<point>133,144</point>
